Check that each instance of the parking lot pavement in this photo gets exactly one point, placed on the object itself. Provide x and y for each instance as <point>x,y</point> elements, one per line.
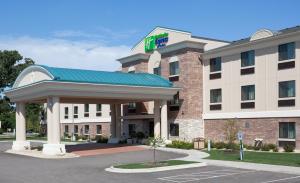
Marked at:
<point>22,169</point>
<point>228,175</point>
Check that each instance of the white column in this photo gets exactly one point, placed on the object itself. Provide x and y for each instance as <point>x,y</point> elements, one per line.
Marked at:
<point>118,121</point>
<point>53,146</point>
<point>113,120</point>
<point>20,143</point>
<point>164,121</point>
<point>157,118</point>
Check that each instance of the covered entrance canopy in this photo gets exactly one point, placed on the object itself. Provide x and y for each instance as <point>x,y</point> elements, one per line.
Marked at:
<point>51,85</point>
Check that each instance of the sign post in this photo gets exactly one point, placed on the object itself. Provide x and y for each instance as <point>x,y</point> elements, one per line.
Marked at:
<point>240,137</point>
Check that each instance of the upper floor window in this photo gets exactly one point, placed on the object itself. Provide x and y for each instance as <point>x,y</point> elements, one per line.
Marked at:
<point>216,99</point>
<point>131,69</point>
<point>287,89</point>
<point>132,107</point>
<point>66,112</point>
<point>216,95</point>
<point>248,92</point>
<point>75,111</point>
<point>86,110</point>
<point>157,70</point>
<point>215,64</point>
<point>98,109</point>
<point>175,103</point>
<point>174,68</point>
<point>287,92</point>
<point>286,51</point>
<point>248,58</point>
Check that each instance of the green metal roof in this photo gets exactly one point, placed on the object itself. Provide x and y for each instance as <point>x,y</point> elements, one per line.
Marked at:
<point>105,77</point>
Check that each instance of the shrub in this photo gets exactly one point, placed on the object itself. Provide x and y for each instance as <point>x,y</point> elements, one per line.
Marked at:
<point>140,135</point>
<point>181,145</point>
<point>1,131</point>
<point>232,146</point>
<point>101,139</point>
<point>289,148</point>
<point>212,144</point>
<point>220,145</point>
<point>248,147</point>
<point>230,130</point>
<point>265,147</point>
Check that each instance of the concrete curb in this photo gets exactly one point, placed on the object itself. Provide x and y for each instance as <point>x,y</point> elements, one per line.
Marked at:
<point>157,169</point>
<point>191,155</point>
<point>38,154</point>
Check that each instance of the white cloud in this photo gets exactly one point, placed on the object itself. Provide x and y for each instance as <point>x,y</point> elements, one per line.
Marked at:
<point>66,53</point>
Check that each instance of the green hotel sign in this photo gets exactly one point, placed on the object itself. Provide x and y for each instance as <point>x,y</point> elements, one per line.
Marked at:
<point>156,41</point>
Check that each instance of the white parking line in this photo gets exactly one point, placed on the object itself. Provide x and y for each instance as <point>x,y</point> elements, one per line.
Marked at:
<point>278,180</point>
<point>203,175</point>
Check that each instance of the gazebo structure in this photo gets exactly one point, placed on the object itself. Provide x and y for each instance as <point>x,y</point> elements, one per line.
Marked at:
<point>51,85</point>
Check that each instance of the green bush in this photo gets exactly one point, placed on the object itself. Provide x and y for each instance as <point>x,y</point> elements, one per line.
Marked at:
<point>220,145</point>
<point>1,131</point>
<point>140,135</point>
<point>248,147</point>
<point>289,148</point>
<point>232,146</point>
<point>101,139</point>
<point>265,147</point>
<point>181,145</point>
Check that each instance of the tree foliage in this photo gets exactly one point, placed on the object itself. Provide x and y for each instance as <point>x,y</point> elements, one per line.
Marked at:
<point>11,64</point>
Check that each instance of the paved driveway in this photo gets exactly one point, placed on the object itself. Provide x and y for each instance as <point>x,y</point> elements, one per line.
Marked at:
<point>90,169</point>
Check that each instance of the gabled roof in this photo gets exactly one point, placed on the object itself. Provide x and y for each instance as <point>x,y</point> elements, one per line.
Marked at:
<point>103,77</point>
<point>248,39</point>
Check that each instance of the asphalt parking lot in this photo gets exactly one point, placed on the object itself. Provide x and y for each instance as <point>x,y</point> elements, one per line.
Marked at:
<point>21,169</point>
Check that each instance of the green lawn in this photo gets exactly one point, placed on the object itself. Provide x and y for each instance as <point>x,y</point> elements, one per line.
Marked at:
<point>288,159</point>
<point>151,165</point>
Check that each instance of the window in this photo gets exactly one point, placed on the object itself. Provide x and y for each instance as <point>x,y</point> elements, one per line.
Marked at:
<point>86,110</point>
<point>174,129</point>
<point>215,64</point>
<point>157,71</point>
<point>75,111</point>
<point>174,68</point>
<point>215,99</point>
<point>99,129</point>
<point>66,112</point>
<point>216,95</point>
<point>131,107</point>
<point>248,92</point>
<point>66,128</point>
<point>131,72</point>
<point>99,110</point>
<point>131,129</point>
<point>286,89</point>
<point>86,129</point>
<point>75,128</point>
<point>287,130</point>
<point>286,51</point>
<point>174,104</point>
<point>248,58</point>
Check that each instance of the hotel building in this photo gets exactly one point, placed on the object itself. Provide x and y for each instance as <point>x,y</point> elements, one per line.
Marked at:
<point>253,81</point>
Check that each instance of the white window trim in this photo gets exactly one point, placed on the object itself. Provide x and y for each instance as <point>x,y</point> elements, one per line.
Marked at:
<point>288,60</point>
<point>286,139</point>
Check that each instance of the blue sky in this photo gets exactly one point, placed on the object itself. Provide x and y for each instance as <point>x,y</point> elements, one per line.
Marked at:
<point>92,34</point>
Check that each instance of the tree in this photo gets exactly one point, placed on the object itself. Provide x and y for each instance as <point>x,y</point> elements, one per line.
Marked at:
<point>231,129</point>
<point>11,65</point>
<point>154,143</point>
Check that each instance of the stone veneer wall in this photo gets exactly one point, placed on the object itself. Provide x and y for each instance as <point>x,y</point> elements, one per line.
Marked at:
<point>93,128</point>
<point>188,129</point>
<point>265,128</point>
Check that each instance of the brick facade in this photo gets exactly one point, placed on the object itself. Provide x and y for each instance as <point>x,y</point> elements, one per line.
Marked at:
<point>189,116</point>
<point>92,129</point>
<point>264,128</point>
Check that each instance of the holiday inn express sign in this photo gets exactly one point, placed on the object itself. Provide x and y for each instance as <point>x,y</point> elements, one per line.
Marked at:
<point>156,41</point>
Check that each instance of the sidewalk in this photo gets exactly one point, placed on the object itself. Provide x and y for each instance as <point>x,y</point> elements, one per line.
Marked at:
<point>195,155</point>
